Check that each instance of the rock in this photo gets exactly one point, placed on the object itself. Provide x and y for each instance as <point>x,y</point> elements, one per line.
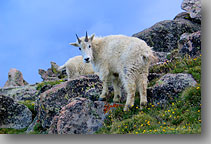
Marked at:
<point>20,93</point>
<point>52,74</point>
<point>190,44</point>
<point>153,76</point>
<point>193,7</point>
<point>168,87</point>
<point>186,16</point>
<point>163,36</point>
<point>32,126</point>
<point>13,115</point>
<point>81,116</point>
<point>15,78</point>
<point>161,56</point>
<point>183,15</point>
<point>48,75</point>
<point>51,101</point>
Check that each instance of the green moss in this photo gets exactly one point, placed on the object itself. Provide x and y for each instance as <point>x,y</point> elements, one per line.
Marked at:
<point>12,131</point>
<point>42,84</point>
<point>30,104</point>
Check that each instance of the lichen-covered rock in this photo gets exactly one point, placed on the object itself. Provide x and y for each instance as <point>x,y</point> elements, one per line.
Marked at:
<point>169,86</point>
<point>81,116</point>
<point>163,36</point>
<point>20,93</point>
<point>15,78</point>
<point>193,7</point>
<point>160,57</point>
<point>182,15</point>
<point>190,44</point>
<point>13,115</point>
<point>51,101</point>
<point>52,74</point>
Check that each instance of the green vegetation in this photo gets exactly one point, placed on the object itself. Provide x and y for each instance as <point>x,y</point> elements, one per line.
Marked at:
<point>38,129</point>
<point>12,131</point>
<point>30,104</point>
<point>179,116</point>
<point>182,116</point>
<point>52,83</point>
<point>181,65</point>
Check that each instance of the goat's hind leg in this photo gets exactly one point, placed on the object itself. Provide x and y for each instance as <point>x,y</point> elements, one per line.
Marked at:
<point>130,88</point>
<point>142,87</point>
<point>117,89</point>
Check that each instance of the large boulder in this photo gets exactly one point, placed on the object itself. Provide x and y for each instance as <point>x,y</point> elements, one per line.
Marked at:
<point>81,116</point>
<point>163,36</point>
<point>190,44</point>
<point>193,7</point>
<point>20,93</point>
<point>51,101</point>
<point>13,115</point>
<point>169,86</point>
<point>15,78</point>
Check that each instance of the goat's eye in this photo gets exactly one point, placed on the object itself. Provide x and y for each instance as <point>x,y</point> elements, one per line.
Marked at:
<point>89,46</point>
<point>79,48</point>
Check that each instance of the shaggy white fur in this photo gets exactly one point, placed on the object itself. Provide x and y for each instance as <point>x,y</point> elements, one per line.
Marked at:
<point>121,59</point>
<point>76,67</point>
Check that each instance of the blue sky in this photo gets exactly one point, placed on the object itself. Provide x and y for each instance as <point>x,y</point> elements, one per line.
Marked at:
<point>35,32</point>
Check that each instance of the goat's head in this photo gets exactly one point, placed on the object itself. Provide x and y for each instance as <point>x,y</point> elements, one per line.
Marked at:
<point>85,46</point>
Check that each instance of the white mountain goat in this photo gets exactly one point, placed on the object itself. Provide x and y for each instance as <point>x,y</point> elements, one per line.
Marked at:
<point>76,67</point>
<point>121,59</point>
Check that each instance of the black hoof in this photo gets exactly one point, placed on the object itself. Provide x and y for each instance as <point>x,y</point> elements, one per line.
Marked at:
<point>101,99</point>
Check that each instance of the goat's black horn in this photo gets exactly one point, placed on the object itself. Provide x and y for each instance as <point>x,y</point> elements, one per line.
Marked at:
<point>79,41</point>
<point>86,38</point>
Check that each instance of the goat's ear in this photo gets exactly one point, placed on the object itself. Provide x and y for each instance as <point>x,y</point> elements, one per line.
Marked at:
<point>92,37</point>
<point>74,44</point>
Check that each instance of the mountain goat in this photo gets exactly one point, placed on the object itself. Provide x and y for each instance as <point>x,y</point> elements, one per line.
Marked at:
<point>76,67</point>
<point>121,59</point>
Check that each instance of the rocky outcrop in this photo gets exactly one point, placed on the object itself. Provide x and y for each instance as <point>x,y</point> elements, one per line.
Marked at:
<point>51,101</point>
<point>169,86</point>
<point>13,115</point>
<point>190,44</point>
<point>15,78</point>
<point>81,116</point>
<point>20,93</point>
<point>52,74</point>
<point>193,7</point>
<point>163,36</point>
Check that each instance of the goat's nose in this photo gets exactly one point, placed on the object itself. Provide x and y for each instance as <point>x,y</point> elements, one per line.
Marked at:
<point>86,59</point>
